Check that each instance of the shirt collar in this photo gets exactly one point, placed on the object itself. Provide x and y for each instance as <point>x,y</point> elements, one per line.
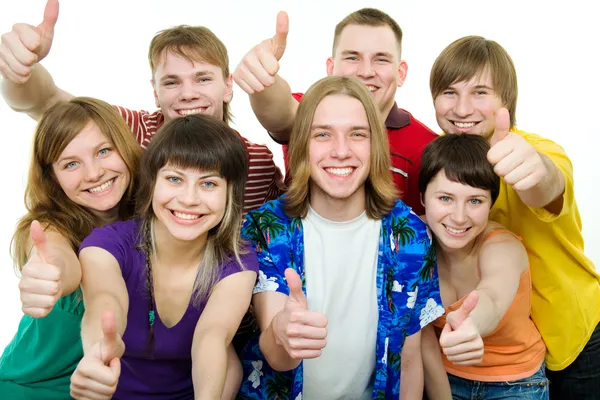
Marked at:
<point>397,118</point>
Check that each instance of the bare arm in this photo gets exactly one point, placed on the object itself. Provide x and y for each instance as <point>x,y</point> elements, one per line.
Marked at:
<point>411,366</point>
<point>36,95</point>
<point>502,260</point>
<point>275,109</point>
<point>103,290</point>
<point>266,306</point>
<point>215,329</point>
<point>437,386</point>
<point>26,85</point>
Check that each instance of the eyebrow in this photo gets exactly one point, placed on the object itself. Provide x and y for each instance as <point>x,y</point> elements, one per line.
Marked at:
<point>325,126</point>
<point>180,172</point>
<point>378,54</point>
<point>197,74</point>
<point>104,143</point>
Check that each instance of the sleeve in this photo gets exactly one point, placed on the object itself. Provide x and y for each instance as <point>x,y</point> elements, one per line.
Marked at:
<point>135,121</point>
<point>113,240</point>
<point>271,276</point>
<point>425,298</point>
<point>559,158</point>
<point>248,259</point>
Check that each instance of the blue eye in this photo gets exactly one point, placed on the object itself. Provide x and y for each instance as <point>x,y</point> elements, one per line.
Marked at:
<point>104,152</point>
<point>475,201</point>
<point>173,179</point>
<point>71,165</point>
<point>445,198</point>
<point>208,184</point>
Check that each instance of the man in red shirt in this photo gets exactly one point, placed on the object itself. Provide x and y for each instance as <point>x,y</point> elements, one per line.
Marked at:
<point>367,45</point>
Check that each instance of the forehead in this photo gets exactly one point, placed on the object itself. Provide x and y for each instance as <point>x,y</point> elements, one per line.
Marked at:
<point>89,138</point>
<point>367,39</point>
<point>443,184</point>
<point>483,77</point>
<point>340,110</point>
<point>171,63</point>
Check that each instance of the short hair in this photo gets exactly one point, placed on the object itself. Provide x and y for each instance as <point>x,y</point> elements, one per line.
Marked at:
<point>463,158</point>
<point>379,187</point>
<point>45,199</point>
<point>192,43</point>
<point>471,56</point>
<point>368,17</point>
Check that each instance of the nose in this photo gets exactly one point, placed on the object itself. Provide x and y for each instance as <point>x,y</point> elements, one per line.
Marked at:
<point>189,195</point>
<point>365,69</point>
<point>463,106</point>
<point>340,149</point>
<point>459,214</point>
<point>189,92</point>
<point>93,171</point>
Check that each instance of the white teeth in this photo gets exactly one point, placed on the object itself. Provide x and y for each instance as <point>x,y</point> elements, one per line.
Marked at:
<point>465,124</point>
<point>339,171</point>
<point>186,216</point>
<point>456,231</point>
<point>102,188</point>
<point>193,111</point>
<point>371,88</point>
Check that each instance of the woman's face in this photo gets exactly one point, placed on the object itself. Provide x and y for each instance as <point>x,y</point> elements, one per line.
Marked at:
<point>92,173</point>
<point>188,202</point>
<point>456,213</point>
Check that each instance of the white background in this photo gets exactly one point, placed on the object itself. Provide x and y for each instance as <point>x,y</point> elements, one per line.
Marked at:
<point>100,49</point>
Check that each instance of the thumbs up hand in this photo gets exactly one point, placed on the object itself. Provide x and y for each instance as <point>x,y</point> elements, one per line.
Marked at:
<point>301,332</point>
<point>26,45</point>
<point>98,372</point>
<point>460,339</point>
<point>513,158</point>
<point>40,286</point>
<point>260,65</point>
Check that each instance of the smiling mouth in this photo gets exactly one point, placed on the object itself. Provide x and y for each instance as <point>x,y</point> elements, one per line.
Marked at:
<point>464,125</point>
<point>186,216</point>
<point>372,88</point>
<point>101,188</point>
<point>342,172</point>
<point>456,231</point>
<point>200,110</point>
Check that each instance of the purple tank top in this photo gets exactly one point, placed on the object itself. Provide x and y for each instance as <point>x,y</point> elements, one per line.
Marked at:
<point>166,371</point>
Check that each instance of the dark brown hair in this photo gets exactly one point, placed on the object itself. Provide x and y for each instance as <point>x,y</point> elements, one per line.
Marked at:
<point>463,158</point>
<point>204,143</point>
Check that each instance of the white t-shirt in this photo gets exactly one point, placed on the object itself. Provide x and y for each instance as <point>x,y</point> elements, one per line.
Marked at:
<point>340,260</point>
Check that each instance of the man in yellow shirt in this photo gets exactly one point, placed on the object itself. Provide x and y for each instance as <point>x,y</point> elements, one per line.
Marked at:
<point>474,88</point>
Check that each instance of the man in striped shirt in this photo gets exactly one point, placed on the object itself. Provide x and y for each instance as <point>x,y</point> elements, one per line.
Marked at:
<point>190,74</point>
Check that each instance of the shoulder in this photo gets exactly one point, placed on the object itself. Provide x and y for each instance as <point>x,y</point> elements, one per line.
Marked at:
<point>122,232</point>
<point>419,129</point>
<point>540,143</point>
<point>273,208</point>
<point>255,150</point>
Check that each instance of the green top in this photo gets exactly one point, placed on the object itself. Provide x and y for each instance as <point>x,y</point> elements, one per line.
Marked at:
<point>39,361</point>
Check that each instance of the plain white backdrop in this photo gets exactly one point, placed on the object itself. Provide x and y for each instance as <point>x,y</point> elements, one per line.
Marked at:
<point>100,50</point>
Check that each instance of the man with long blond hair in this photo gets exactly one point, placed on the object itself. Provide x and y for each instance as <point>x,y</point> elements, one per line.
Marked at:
<point>347,273</point>
<point>367,45</point>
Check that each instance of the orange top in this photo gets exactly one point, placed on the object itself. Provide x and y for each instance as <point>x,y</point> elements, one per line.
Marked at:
<point>514,350</point>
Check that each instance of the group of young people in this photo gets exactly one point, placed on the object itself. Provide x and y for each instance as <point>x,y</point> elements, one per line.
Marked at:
<point>393,263</point>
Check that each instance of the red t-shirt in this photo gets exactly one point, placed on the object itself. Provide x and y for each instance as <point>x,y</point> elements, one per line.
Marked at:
<point>407,137</point>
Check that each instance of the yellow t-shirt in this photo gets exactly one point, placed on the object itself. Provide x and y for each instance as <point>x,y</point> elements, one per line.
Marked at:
<point>566,287</point>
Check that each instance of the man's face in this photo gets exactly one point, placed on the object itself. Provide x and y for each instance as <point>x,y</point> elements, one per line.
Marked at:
<point>182,88</point>
<point>370,53</point>
<point>469,106</point>
<point>340,152</point>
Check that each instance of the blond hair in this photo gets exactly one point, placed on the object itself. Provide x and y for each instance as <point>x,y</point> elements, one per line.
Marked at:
<point>381,193</point>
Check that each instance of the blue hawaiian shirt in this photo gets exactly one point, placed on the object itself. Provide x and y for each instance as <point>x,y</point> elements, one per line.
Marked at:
<point>407,289</point>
